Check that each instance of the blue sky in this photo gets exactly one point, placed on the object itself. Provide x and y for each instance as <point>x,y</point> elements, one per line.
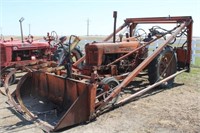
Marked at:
<point>70,16</point>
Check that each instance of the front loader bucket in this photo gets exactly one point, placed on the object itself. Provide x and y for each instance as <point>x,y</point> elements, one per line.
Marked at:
<point>54,101</point>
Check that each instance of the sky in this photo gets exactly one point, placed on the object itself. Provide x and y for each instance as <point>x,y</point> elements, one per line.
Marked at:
<point>68,17</point>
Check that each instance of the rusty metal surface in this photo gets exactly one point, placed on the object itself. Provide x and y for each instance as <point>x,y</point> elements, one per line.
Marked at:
<point>57,101</point>
<point>189,43</point>
<point>169,19</point>
<point>80,110</point>
<point>135,50</point>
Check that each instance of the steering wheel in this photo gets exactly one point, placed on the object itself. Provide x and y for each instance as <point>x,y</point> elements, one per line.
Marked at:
<point>54,36</point>
<point>29,38</point>
<point>139,34</point>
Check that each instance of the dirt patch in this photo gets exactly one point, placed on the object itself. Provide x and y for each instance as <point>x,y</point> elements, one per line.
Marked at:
<point>174,110</point>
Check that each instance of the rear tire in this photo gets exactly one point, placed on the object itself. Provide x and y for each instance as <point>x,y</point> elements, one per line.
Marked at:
<point>76,54</point>
<point>164,65</point>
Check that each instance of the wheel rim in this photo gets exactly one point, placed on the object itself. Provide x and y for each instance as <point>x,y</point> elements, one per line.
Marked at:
<point>112,85</point>
<point>107,88</point>
<point>166,67</point>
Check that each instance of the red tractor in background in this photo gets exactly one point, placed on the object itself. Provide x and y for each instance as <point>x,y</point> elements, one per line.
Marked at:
<point>20,53</point>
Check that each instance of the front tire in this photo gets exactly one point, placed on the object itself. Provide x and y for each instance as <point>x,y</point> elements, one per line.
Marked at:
<point>12,79</point>
<point>106,88</point>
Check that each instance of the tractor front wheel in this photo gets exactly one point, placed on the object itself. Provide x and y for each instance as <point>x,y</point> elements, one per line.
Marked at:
<point>3,77</point>
<point>107,86</point>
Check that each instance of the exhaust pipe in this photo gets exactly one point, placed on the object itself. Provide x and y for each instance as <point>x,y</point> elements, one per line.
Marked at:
<point>21,20</point>
<point>115,20</point>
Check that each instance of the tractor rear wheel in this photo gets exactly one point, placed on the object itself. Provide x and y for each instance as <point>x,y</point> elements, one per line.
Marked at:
<point>75,55</point>
<point>164,65</point>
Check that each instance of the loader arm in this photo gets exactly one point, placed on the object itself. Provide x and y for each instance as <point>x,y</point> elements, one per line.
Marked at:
<point>185,22</point>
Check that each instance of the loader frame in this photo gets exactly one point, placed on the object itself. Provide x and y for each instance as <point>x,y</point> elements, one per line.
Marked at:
<point>185,22</point>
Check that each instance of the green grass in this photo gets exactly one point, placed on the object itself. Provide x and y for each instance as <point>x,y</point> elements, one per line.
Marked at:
<point>195,71</point>
<point>190,78</point>
<point>197,62</point>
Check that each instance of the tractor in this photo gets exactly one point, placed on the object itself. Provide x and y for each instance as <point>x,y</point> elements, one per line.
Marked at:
<point>15,54</point>
<point>82,90</point>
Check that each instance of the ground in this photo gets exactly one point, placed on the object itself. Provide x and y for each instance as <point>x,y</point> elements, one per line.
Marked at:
<point>172,110</point>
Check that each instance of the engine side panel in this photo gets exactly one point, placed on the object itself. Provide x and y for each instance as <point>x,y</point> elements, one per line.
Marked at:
<point>95,52</point>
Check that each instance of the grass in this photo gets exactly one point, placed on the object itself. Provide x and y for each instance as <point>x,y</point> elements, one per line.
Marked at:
<point>190,79</point>
<point>197,62</point>
<point>195,71</point>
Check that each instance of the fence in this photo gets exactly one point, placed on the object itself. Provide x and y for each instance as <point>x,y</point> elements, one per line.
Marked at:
<point>195,50</point>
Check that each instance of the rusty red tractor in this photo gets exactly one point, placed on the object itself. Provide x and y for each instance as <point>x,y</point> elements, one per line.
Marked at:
<point>82,90</point>
<point>24,52</point>
<point>21,53</point>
